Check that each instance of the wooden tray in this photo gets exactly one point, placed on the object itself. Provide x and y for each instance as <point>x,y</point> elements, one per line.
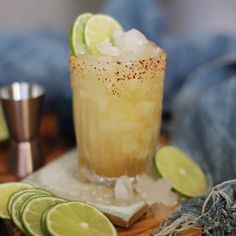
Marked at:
<point>55,145</point>
<point>144,227</point>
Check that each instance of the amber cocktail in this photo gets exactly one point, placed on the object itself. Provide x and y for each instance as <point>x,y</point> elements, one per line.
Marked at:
<point>117,112</point>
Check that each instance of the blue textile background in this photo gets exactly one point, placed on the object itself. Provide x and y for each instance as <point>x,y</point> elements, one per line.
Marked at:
<point>200,85</point>
<point>40,57</point>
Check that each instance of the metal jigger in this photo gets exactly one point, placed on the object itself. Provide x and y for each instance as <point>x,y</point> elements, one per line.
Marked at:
<point>22,106</point>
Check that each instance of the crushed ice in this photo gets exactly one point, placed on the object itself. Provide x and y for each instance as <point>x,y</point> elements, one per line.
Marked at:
<point>107,49</point>
<point>151,190</point>
<point>123,189</point>
<point>156,191</point>
<point>131,42</point>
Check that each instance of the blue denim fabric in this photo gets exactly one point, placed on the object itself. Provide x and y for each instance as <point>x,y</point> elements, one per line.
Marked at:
<point>205,115</point>
<point>40,57</point>
<point>214,214</point>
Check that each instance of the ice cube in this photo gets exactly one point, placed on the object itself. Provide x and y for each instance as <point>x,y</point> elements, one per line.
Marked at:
<point>117,33</point>
<point>169,199</point>
<point>107,49</point>
<point>164,185</point>
<point>123,189</point>
<point>130,40</point>
<point>156,191</point>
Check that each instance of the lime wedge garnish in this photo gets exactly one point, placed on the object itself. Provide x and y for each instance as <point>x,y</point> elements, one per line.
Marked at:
<point>75,218</point>
<point>77,32</point>
<point>19,201</point>
<point>6,190</point>
<point>184,174</point>
<point>33,210</point>
<point>97,29</point>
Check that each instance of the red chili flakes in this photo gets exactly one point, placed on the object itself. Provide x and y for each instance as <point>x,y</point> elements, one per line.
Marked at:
<point>129,77</point>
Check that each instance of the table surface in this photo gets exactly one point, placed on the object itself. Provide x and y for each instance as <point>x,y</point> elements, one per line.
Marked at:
<point>54,145</point>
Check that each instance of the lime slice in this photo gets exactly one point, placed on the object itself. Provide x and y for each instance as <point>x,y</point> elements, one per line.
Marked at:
<point>3,127</point>
<point>19,202</point>
<point>32,212</point>
<point>14,196</point>
<point>43,221</point>
<point>185,175</point>
<point>25,203</point>
<point>99,28</point>
<point>77,32</point>
<point>75,218</point>
<point>6,190</point>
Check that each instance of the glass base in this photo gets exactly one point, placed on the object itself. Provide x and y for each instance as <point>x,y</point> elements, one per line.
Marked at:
<point>91,176</point>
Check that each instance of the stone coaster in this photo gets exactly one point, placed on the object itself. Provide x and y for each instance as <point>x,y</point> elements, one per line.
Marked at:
<point>61,178</point>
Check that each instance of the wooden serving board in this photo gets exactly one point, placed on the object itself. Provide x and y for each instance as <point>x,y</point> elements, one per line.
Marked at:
<point>55,145</point>
<point>144,227</point>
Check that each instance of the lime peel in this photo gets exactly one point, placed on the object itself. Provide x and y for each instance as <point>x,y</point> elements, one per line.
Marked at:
<point>33,210</point>
<point>82,219</point>
<point>185,176</point>
<point>77,33</point>
<point>98,29</point>
<point>6,191</point>
<point>19,202</point>
<point>89,30</point>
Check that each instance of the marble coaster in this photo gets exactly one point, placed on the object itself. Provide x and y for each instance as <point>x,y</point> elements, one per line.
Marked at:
<point>61,178</point>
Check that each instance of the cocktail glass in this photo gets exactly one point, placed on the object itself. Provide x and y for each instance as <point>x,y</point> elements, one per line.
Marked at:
<point>117,107</point>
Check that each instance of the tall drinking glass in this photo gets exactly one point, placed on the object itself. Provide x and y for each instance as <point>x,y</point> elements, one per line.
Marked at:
<point>117,108</point>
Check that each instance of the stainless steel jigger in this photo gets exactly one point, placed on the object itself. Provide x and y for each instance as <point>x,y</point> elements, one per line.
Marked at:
<point>22,106</point>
